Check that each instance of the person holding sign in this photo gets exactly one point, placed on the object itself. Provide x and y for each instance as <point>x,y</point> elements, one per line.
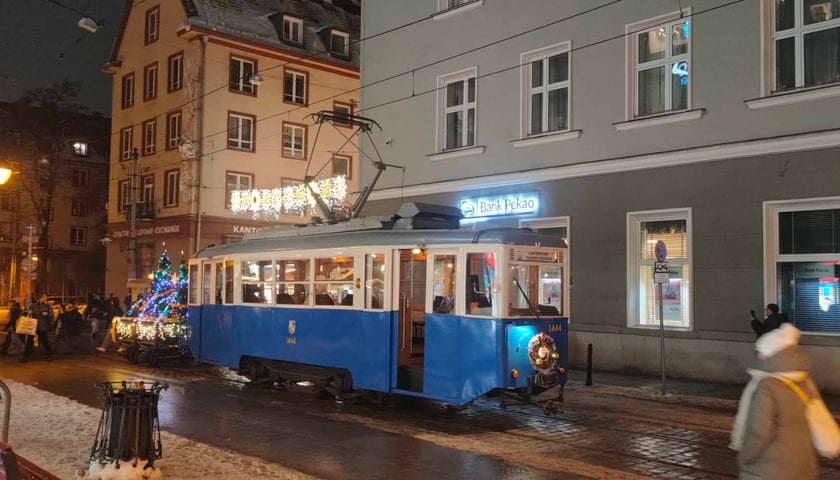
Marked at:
<point>44,313</point>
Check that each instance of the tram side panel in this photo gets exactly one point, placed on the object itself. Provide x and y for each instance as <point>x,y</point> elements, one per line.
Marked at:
<point>342,338</point>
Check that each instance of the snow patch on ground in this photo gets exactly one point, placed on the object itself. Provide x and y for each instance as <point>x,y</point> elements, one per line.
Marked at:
<point>56,433</point>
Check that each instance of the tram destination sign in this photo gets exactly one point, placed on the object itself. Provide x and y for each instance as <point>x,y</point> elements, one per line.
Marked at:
<point>502,205</point>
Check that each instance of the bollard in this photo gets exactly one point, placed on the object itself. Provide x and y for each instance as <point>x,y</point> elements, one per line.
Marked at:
<point>589,365</point>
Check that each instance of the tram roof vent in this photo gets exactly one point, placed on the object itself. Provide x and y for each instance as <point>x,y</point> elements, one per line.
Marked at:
<point>426,216</point>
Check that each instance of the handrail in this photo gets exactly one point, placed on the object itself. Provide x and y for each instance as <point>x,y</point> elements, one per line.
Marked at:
<point>7,411</point>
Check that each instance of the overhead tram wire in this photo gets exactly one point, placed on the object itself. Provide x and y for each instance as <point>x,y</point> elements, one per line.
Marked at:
<point>518,65</point>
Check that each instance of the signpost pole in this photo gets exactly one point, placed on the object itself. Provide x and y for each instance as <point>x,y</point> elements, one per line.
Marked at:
<point>661,275</point>
<point>662,335</point>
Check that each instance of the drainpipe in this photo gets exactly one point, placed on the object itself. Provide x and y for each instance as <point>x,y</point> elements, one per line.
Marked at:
<point>199,142</point>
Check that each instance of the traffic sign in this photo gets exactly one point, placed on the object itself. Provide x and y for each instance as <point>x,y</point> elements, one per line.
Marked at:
<point>661,251</point>
<point>661,273</point>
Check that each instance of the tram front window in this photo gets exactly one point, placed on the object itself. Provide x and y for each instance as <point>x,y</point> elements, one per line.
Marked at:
<point>481,284</point>
<point>539,285</point>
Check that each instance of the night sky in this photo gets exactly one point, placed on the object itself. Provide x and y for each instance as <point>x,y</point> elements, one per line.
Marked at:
<point>36,34</point>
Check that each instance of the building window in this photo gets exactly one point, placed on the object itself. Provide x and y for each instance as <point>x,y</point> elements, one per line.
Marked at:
<point>340,43</point>
<point>80,207</point>
<point>149,133</point>
<point>79,177</point>
<point>171,188</point>
<point>175,72</point>
<point>457,97</point>
<point>802,250</point>
<point>294,140</point>
<point>659,51</point>
<point>78,236</point>
<point>241,70</point>
<point>546,81</point>
<point>146,207</point>
<point>126,143</point>
<point>8,202</point>
<point>237,181</point>
<point>295,86</point>
<point>127,93</point>
<point>7,232</point>
<point>805,48</point>
<point>80,148</point>
<point>150,82</point>
<point>241,131</point>
<point>342,165</point>
<point>152,30</point>
<point>123,196</point>
<point>173,130</point>
<point>342,109</point>
<point>292,29</point>
<point>645,229</point>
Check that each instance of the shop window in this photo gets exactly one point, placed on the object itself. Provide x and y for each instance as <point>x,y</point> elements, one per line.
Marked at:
<point>481,284</point>
<point>334,281</point>
<point>443,284</point>
<point>645,229</point>
<point>292,282</point>
<point>257,281</point>
<point>375,281</point>
<point>803,254</point>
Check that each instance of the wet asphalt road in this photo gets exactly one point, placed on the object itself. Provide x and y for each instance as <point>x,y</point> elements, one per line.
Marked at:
<point>292,429</point>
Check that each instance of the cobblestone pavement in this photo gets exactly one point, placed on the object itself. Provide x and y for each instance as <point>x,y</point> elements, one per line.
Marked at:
<point>602,432</point>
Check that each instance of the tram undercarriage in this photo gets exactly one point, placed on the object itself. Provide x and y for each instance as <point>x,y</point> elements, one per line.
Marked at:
<point>337,382</point>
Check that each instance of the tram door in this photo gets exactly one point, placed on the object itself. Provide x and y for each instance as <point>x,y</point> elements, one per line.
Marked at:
<point>411,334</point>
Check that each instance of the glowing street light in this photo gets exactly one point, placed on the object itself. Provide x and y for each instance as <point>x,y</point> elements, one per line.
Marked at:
<point>5,172</point>
<point>88,24</point>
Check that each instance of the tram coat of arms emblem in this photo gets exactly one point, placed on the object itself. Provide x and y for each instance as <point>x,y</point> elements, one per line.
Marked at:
<point>291,327</point>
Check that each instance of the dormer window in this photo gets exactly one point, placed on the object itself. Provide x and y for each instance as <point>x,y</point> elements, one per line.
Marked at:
<point>292,29</point>
<point>340,43</point>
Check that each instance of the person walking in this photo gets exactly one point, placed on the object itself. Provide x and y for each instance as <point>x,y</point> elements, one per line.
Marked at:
<point>772,320</point>
<point>771,432</point>
<point>14,315</point>
<point>44,313</point>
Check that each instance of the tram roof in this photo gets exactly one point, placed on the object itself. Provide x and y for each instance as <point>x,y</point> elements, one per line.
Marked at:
<point>322,237</point>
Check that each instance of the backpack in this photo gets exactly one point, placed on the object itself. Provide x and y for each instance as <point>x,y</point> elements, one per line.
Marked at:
<point>824,430</point>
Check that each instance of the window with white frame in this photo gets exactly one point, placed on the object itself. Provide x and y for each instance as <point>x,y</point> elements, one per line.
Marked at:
<point>173,130</point>
<point>340,43</point>
<point>149,134</point>
<point>545,78</point>
<point>80,177</point>
<point>126,143</point>
<point>342,165</point>
<point>79,207</point>
<point>175,73</point>
<point>806,43</point>
<point>342,110</point>
<point>123,196</point>
<point>292,29</point>
<point>171,188</point>
<point>294,140</point>
<point>457,98</point>
<point>78,236</point>
<point>241,131</point>
<point>294,86</point>
<point>241,70</point>
<point>151,32</point>
<point>802,251</point>
<point>645,230</point>
<point>660,56</point>
<point>237,181</point>
<point>127,91</point>
<point>150,82</point>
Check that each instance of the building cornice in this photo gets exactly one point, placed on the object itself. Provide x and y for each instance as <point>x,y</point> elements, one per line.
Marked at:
<point>673,158</point>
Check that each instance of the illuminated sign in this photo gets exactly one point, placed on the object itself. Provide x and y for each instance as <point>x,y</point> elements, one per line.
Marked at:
<point>292,200</point>
<point>513,204</point>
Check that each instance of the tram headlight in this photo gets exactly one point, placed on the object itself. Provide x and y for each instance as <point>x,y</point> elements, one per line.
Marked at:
<point>542,352</point>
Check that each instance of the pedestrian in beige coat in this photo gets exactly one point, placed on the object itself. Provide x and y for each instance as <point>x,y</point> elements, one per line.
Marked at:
<point>771,432</point>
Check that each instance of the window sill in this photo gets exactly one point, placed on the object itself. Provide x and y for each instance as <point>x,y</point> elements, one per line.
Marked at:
<point>796,96</point>
<point>461,152</point>
<point>546,138</point>
<point>450,12</point>
<point>661,119</point>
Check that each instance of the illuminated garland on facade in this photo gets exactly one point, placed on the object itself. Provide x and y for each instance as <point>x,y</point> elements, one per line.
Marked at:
<point>291,200</point>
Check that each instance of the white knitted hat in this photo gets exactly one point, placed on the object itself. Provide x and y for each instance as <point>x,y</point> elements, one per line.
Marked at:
<point>777,340</point>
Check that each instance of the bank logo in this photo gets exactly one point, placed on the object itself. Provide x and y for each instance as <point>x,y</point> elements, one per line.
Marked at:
<point>467,208</point>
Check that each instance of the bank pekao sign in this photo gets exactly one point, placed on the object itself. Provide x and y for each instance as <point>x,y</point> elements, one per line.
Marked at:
<point>475,209</point>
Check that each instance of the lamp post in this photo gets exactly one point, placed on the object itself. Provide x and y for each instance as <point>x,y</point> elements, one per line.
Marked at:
<point>29,270</point>
<point>132,221</point>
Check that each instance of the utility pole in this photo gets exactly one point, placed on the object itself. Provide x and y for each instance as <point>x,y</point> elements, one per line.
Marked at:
<point>29,291</point>
<point>132,222</point>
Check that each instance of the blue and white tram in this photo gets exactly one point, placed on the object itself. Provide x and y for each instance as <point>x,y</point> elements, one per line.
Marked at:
<point>384,306</point>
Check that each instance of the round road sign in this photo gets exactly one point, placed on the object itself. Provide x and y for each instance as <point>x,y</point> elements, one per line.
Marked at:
<point>661,251</point>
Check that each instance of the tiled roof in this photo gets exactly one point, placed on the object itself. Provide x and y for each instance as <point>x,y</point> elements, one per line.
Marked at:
<point>261,21</point>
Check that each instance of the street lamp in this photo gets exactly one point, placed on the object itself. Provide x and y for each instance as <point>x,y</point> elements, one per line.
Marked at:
<point>5,172</point>
<point>88,24</point>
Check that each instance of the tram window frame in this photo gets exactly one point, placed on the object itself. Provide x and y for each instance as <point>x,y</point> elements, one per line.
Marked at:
<point>490,292</point>
<point>264,281</point>
<point>376,269</point>
<point>456,306</point>
<point>328,285</point>
<point>207,283</point>
<point>230,273</point>
<point>194,293</point>
<point>280,281</point>
<point>535,287</point>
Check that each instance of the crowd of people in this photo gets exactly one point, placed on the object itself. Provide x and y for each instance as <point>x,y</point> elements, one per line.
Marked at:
<point>73,324</point>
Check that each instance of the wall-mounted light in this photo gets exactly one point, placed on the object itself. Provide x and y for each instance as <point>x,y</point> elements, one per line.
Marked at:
<point>255,79</point>
<point>89,24</point>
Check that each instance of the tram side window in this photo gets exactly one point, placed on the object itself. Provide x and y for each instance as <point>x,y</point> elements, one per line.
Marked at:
<point>220,278</point>
<point>208,284</point>
<point>444,284</point>
<point>292,282</point>
<point>481,284</point>
<point>543,285</point>
<point>257,281</point>
<point>193,279</point>
<point>334,281</point>
<point>229,281</point>
<point>375,281</point>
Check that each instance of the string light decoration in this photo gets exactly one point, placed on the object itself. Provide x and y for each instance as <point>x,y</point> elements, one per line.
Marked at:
<point>291,200</point>
<point>159,316</point>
